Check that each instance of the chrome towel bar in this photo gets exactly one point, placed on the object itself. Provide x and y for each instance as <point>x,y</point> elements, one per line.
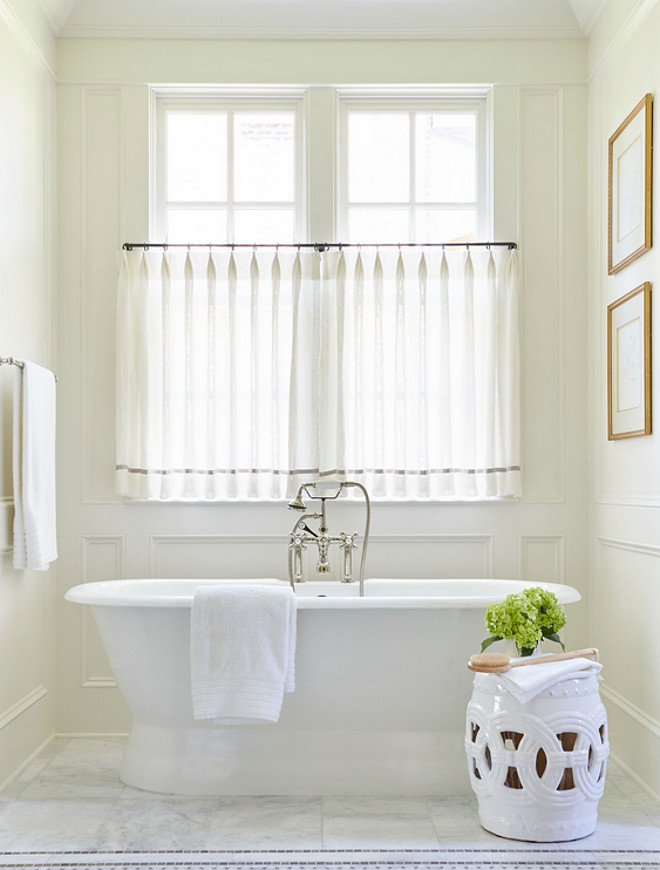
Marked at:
<point>11,361</point>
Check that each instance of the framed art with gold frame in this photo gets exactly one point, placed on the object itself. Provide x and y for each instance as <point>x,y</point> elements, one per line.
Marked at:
<point>629,364</point>
<point>629,187</point>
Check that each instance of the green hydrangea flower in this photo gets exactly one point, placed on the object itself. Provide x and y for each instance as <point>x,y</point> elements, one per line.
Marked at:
<point>551,616</point>
<point>514,618</point>
<point>525,618</point>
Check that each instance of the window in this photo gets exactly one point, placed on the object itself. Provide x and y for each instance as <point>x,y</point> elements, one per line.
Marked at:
<point>413,170</point>
<point>262,368</point>
<point>233,168</point>
<point>229,170</point>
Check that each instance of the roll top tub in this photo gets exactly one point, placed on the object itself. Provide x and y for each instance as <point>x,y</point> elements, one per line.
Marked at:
<point>380,699</point>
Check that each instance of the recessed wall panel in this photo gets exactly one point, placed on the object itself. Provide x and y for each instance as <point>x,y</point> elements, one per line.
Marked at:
<point>542,558</point>
<point>218,556</point>
<point>541,248</point>
<point>102,205</point>
<point>626,590</point>
<point>422,556</point>
<point>103,559</point>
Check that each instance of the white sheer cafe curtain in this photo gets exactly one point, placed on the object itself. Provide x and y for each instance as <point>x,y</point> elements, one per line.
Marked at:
<point>242,374</point>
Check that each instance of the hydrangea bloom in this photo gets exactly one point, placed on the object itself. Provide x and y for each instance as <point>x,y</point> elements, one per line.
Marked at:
<point>514,618</point>
<point>551,617</point>
<point>526,618</point>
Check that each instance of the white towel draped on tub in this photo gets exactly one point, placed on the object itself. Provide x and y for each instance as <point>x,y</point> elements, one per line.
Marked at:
<point>242,649</point>
<point>35,543</point>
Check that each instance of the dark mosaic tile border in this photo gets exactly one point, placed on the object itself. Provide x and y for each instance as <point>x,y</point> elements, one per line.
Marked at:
<point>344,859</point>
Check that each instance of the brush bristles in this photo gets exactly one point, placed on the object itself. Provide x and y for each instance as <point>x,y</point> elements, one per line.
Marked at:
<point>489,662</point>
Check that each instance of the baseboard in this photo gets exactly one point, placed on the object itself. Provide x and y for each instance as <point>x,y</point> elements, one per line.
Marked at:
<point>97,734</point>
<point>27,762</point>
<point>631,773</point>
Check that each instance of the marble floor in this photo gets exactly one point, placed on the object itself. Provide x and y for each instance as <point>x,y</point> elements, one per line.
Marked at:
<point>70,798</point>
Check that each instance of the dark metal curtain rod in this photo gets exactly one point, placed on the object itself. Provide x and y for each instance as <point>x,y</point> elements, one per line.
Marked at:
<point>320,247</point>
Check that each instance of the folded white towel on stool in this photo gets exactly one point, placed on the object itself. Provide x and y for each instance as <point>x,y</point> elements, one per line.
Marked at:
<point>35,540</point>
<point>528,682</point>
<point>242,651</point>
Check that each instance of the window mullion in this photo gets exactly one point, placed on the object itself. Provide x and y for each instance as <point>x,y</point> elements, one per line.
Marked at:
<point>412,161</point>
<point>230,175</point>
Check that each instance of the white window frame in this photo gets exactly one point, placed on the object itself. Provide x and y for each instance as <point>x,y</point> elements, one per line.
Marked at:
<point>410,101</point>
<point>233,101</point>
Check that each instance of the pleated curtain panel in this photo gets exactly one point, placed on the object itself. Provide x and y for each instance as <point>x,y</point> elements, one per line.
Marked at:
<point>244,373</point>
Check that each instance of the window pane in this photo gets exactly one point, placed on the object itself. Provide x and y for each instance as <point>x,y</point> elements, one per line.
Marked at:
<point>264,154</point>
<point>442,225</point>
<point>445,157</point>
<point>378,157</point>
<point>263,225</point>
<point>197,225</point>
<point>369,225</point>
<point>196,156</point>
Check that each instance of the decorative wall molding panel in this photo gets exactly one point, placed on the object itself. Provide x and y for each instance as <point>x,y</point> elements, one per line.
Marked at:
<point>210,556</point>
<point>542,558</point>
<point>6,520</point>
<point>631,546</point>
<point>102,559</point>
<point>451,556</point>
<point>21,706</point>
<point>541,240</point>
<point>101,209</point>
<point>624,594</point>
<point>631,709</point>
<point>627,501</point>
<point>217,556</point>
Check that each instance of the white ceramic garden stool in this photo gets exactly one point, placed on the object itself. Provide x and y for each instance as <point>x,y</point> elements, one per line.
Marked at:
<point>538,769</point>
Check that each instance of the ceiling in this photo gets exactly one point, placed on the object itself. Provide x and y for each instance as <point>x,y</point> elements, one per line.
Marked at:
<point>469,19</point>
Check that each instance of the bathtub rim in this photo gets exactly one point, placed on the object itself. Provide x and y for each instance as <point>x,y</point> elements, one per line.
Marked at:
<point>149,592</point>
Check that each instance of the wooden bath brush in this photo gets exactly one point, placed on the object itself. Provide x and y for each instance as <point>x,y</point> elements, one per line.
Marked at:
<point>497,663</point>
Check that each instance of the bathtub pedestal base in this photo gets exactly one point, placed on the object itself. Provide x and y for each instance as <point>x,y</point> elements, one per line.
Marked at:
<point>265,760</point>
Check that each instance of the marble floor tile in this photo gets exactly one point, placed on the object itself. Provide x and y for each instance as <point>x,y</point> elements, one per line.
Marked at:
<point>51,824</point>
<point>83,769</point>
<point>456,821</point>
<point>70,798</point>
<point>266,823</point>
<point>32,770</point>
<point>367,822</point>
<point>161,823</point>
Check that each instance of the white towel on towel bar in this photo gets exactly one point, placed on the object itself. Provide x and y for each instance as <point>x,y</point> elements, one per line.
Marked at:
<point>35,541</point>
<point>242,651</point>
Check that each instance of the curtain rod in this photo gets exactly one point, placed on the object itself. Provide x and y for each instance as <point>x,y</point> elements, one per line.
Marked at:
<point>320,247</point>
<point>12,361</point>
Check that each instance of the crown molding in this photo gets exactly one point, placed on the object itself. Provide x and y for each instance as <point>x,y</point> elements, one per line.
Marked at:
<point>634,20</point>
<point>324,32</point>
<point>52,15</point>
<point>23,36</point>
<point>587,13</point>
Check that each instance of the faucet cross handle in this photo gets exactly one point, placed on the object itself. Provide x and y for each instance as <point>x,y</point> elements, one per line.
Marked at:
<point>348,545</point>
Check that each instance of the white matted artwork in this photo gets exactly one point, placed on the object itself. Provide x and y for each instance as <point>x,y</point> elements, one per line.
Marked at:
<point>629,364</point>
<point>629,187</point>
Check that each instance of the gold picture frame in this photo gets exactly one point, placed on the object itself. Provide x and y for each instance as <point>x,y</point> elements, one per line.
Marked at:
<point>629,187</point>
<point>629,364</point>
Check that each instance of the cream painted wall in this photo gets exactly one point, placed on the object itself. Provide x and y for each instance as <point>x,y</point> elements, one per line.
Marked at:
<point>539,117</point>
<point>625,475</point>
<point>27,155</point>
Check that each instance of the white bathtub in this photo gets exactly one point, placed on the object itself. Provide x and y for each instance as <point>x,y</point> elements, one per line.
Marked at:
<point>380,699</point>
